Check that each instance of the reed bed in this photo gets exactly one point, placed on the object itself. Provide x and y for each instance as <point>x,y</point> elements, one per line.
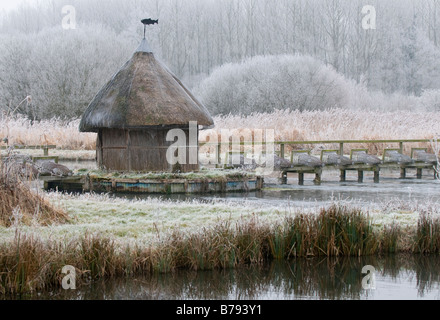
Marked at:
<point>337,124</point>
<point>289,125</point>
<point>19,204</point>
<point>62,133</point>
<point>335,231</point>
<point>427,238</point>
<point>29,264</point>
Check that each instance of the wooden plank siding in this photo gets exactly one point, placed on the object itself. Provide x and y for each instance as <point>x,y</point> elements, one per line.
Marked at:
<point>137,150</point>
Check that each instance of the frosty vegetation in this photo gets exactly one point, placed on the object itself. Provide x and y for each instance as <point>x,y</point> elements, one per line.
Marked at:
<point>296,54</point>
<point>288,125</point>
<point>267,83</point>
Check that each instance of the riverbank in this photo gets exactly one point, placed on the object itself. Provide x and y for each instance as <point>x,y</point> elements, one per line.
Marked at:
<point>111,237</point>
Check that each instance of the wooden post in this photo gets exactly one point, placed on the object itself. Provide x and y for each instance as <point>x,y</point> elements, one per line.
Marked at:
<point>343,175</point>
<point>376,175</point>
<point>360,176</point>
<point>46,151</point>
<point>128,149</point>
<point>419,173</point>
<point>401,147</point>
<point>301,178</point>
<point>283,177</point>
<point>99,150</point>
<point>219,150</point>
<point>402,173</point>
<point>341,149</point>
<point>317,180</point>
<point>282,150</point>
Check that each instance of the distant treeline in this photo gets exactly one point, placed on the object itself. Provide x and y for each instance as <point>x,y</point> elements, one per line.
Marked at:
<point>63,69</point>
<point>263,84</point>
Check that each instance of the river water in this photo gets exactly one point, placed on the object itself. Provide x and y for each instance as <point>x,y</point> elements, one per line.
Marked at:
<point>274,194</point>
<point>397,277</point>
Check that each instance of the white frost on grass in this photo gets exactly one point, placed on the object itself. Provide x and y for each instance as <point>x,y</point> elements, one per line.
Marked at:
<point>140,222</point>
<point>403,213</point>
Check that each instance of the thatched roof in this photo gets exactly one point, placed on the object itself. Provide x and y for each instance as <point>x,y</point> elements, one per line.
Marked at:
<point>144,93</point>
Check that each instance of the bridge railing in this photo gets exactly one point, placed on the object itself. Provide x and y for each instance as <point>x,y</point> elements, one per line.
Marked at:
<point>342,144</point>
<point>45,148</point>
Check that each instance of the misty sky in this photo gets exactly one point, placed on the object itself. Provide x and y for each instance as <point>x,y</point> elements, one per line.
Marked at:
<point>394,65</point>
<point>8,4</point>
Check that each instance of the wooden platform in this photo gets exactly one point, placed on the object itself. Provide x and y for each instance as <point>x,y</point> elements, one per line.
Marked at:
<point>301,170</point>
<point>152,186</point>
<point>45,148</point>
<point>385,163</point>
<point>360,168</point>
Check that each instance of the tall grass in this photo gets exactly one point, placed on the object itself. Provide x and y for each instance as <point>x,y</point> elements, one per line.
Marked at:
<point>391,237</point>
<point>335,231</point>
<point>30,264</point>
<point>427,238</point>
<point>19,204</point>
<point>62,133</point>
<point>336,124</point>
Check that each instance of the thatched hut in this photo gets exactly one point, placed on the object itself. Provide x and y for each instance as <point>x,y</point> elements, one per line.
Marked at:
<point>135,110</point>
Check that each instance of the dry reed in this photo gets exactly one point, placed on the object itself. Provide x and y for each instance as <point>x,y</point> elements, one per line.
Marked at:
<point>19,204</point>
<point>62,133</point>
<point>30,264</point>
<point>336,124</point>
<point>427,238</point>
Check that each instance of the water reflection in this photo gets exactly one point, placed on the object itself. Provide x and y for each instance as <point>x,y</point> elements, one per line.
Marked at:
<point>361,194</point>
<point>397,277</point>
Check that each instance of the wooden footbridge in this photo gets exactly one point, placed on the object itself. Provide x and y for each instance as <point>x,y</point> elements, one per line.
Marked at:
<point>45,148</point>
<point>301,161</point>
<point>358,159</point>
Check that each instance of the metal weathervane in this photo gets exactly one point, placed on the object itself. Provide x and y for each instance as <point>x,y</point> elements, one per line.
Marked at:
<point>148,22</point>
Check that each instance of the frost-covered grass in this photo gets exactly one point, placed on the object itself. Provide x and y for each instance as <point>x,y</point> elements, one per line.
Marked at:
<point>140,221</point>
<point>108,237</point>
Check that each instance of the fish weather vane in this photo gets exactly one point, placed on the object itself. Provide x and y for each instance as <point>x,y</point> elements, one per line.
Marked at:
<point>148,22</point>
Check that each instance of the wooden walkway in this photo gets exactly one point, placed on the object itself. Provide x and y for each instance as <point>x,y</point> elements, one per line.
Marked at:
<point>45,148</point>
<point>360,161</point>
<point>302,162</point>
<point>153,186</point>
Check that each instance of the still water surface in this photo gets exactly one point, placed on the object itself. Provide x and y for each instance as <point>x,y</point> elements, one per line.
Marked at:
<point>389,189</point>
<point>398,277</point>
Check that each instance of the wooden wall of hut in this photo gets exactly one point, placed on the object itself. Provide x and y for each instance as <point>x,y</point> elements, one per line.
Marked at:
<point>137,151</point>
